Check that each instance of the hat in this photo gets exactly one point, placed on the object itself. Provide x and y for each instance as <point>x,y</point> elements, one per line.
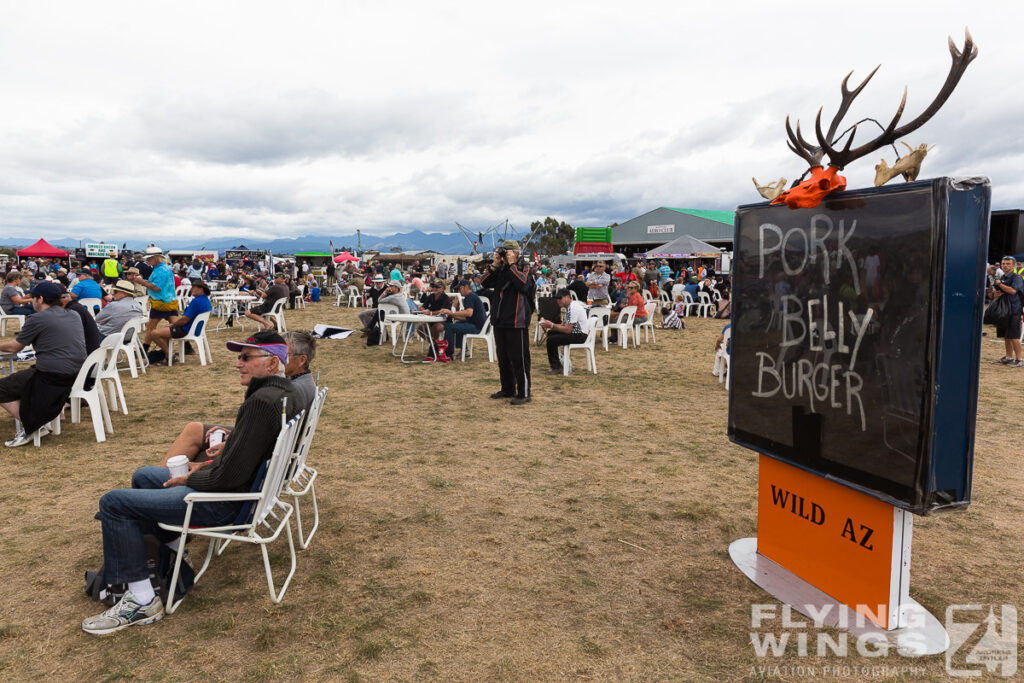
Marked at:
<point>125,287</point>
<point>463,283</point>
<point>378,278</point>
<point>133,270</point>
<point>46,290</point>
<point>154,251</point>
<point>271,342</point>
<point>511,244</point>
<point>202,285</point>
<point>395,283</point>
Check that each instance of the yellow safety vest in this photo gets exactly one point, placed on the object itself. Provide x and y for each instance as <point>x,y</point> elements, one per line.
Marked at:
<point>110,267</point>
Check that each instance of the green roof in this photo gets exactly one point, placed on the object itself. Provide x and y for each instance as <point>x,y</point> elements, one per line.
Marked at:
<point>727,217</point>
<point>313,253</point>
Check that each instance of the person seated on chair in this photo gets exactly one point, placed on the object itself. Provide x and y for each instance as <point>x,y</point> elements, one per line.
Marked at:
<point>633,297</point>
<point>123,308</point>
<point>728,350</point>
<point>579,287</point>
<point>127,515</point>
<point>37,395</point>
<point>301,352</point>
<point>182,325</point>
<point>89,328</point>
<point>392,295</point>
<point>11,300</point>
<point>277,291</point>
<point>87,287</point>
<point>573,329</point>
<point>469,319</point>
<point>433,301</point>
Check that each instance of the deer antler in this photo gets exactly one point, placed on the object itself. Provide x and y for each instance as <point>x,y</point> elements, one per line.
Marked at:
<point>841,158</point>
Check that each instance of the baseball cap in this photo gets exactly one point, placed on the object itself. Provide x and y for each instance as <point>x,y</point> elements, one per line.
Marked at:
<point>46,290</point>
<point>510,244</point>
<point>271,342</point>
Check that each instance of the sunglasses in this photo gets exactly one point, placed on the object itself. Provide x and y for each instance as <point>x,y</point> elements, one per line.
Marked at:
<point>246,357</point>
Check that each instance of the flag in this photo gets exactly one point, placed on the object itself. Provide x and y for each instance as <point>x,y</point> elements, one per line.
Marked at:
<point>331,242</point>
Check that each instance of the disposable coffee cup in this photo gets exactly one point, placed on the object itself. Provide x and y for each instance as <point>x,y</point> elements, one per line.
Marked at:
<point>178,466</point>
<point>216,437</point>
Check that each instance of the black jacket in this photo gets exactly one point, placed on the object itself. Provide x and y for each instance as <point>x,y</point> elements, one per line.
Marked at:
<point>515,287</point>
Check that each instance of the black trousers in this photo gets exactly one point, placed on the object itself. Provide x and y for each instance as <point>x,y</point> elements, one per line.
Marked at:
<point>512,345</point>
<point>556,339</point>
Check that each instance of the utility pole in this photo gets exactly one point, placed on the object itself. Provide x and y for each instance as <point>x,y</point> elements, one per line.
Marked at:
<point>359,240</point>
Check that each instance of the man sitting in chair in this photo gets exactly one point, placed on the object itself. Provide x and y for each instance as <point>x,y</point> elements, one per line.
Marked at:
<point>573,330</point>
<point>37,395</point>
<point>182,325</point>
<point>127,515</point>
<point>123,308</point>
<point>278,290</point>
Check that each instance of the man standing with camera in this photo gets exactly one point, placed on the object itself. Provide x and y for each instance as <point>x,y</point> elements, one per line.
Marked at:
<point>511,310</point>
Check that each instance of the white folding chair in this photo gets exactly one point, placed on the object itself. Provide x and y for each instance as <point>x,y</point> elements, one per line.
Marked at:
<point>108,373</point>
<point>486,334</point>
<point>265,510</point>
<point>623,325</point>
<point>587,345</point>
<point>651,307</point>
<point>93,397</point>
<point>301,477</point>
<point>93,305</point>
<point>277,312</point>
<point>7,318</point>
<point>197,334</point>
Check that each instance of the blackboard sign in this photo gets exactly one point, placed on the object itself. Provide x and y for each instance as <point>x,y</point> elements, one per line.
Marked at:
<point>848,319</point>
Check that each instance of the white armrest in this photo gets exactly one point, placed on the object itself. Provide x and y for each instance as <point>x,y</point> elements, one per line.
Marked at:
<point>212,497</point>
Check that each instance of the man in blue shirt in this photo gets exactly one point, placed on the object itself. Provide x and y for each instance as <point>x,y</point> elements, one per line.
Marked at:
<point>183,324</point>
<point>469,319</point>
<point>87,287</point>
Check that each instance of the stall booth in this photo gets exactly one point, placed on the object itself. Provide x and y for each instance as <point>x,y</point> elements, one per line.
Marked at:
<point>686,251</point>
<point>43,249</point>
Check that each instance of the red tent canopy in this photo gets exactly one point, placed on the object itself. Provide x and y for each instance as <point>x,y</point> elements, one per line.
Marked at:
<point>43,249</point>
<point>344,256</point>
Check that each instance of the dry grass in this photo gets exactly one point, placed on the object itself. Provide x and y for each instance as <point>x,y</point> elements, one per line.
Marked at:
<point>584,535</point>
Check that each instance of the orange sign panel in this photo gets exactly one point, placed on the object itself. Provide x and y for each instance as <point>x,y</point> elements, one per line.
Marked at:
<point>847,544</point>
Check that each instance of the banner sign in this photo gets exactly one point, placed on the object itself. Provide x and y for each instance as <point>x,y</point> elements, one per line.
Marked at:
<point>100,250</point>
<point>657,229</point>
<point>847,319</point>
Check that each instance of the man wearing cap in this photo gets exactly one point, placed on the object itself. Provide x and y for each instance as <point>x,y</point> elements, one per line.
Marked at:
<point>182,325</point>
<point>572,330</point>
<point>87,287</point>
<point>111,268</point>
<point>277,291</point>
<point>123,308</point>
<point>37,395</point>
<point>469,319</point>
<point>392,295</point>
<point>375,290</point>
<point>163,304</point>
<point>126,515</point>
<point>511,309</point>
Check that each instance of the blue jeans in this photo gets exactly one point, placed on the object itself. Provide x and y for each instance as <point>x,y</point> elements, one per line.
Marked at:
<point>127,515</point>
<point>454,332</point>
<point>24,309</point>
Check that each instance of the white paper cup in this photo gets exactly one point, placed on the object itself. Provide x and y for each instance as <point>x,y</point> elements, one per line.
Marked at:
<point>178,466</point>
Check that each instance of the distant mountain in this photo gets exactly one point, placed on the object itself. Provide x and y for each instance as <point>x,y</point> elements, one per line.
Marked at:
<point>445,243</point>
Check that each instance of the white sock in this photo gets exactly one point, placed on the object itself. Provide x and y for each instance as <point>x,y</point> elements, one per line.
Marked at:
<point>173,545</point>
<point>142,590</point>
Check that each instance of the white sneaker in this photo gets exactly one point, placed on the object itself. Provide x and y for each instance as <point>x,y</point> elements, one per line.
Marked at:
<point>20,439</point>
<point>127,612</point>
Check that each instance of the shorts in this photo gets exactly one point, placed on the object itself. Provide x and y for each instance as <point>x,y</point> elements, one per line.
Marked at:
<point>178,332</point>
<point>162,315</point>
<point>260,310</point>
<point>13,386</point>
<point>1012,328</point>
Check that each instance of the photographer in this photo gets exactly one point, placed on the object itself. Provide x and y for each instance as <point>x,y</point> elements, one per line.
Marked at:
<point>511,310</point>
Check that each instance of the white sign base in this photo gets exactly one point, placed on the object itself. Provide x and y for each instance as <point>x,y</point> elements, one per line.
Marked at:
<point>922,635</point>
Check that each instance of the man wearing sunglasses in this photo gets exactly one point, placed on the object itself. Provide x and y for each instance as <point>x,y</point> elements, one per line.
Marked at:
<point>127,515</point>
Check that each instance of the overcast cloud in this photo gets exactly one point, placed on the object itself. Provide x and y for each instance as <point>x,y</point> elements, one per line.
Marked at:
<point>128,120</point>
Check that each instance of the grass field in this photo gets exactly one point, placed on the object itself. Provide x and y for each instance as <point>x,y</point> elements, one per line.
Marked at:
<point>582,536</point>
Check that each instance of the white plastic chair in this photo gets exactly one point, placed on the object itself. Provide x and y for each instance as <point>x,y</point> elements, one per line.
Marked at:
<point>140,351</point>
<point>598,315</point>
<point>722,366</point>
<point>53,425</point>
<point>93,397</point>
<point>353,296</point>
<point>486,334</point>
<point>197,334</point>
<point>689,305</point>
<point>277,312</point>
<point>387,328</point>
<point>587,345</point>
<point>108,373</point>
<point>301,477</point>
<point>93,305</point>
<point>650,307</point>
<point>340,292</point>
<point>706,307</point>
<point>623,325</point>
<point>266,511</point>
<point>126,344</point>
<point>7,318</point>
<point>300,300</point>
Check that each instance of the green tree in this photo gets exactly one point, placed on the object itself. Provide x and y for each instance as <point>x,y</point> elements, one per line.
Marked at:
<point>553,237</point>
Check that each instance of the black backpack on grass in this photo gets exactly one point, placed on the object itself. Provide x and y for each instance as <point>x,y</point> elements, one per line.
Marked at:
<point>160,563</point>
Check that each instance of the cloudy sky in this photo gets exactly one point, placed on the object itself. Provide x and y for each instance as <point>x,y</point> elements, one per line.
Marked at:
<point>270,119</point>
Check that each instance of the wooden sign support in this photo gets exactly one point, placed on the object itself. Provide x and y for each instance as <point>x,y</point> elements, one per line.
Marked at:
<point>826,549</point>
